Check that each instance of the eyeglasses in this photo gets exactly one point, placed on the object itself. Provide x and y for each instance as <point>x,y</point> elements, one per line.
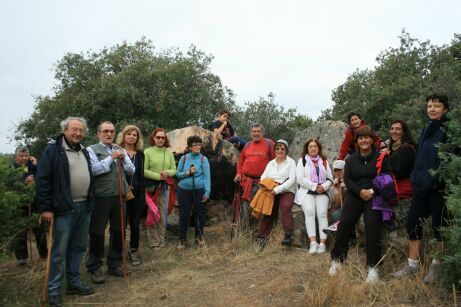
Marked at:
<point>107,131</point>
<point>196,145</point>
<point>160,137</point>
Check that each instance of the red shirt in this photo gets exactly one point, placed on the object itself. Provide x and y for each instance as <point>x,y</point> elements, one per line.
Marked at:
<point>254,158</point>
<point>348,141</point>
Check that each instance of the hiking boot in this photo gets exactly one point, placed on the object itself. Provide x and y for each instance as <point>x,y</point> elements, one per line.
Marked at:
<point>287,239</point>
<point>334,268</point>
<point>182,244</point>
<point>373,275</point>
<point>98,276</point>
<point>313,248</point>
<point>23,263</point>
<point>117,272</point>
<point>54,300</point>
<point>433,274</point>
<point>406,271</point>
<point>80,290</point>
<point>322,248</point>
<point>261,242</point>
<point>134,258</point>
<point>199,242</point>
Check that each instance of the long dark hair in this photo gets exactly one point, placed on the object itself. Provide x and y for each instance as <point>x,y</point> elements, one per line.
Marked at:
<point>306,147</point>
<point>406,136</point>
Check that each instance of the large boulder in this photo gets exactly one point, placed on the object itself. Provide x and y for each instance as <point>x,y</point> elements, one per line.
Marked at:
<point>221,154</point>
<point>330,134</point>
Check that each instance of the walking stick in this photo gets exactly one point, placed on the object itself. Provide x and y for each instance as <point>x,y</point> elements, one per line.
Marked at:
<point>236,203</point>
<point>48,261</point>
<point>122,218</point>
<point>30,233</point>
<point>194,207</point>
<point>165,199</point>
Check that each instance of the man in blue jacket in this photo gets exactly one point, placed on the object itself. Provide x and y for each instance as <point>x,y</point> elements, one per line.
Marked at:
<point>428,191</point>
<point>65,194</point>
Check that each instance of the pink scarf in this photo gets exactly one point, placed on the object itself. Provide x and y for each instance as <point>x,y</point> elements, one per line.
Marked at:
<point>320,178</point>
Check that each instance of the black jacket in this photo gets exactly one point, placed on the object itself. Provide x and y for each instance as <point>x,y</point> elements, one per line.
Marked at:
<point>359,171</point>
<point>427,157</point>
<point>402,161</point>
<point>53,180</point>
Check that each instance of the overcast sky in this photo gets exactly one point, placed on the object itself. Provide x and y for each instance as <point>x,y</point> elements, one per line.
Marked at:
<point>299,50</point>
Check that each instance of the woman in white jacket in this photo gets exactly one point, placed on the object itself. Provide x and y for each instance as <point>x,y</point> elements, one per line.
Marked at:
<point>283,171</point>
<point>314,177</point>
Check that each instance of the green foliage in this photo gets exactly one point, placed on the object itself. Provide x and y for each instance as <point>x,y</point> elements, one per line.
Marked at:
<point>128,83</point>
<point>278,121</point>
<point>397,86</point>
<point>451,170</point>
<point>14,196</point>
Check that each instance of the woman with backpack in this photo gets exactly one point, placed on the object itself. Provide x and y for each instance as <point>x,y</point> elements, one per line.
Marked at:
<point>360,170</point>
<point>193,190</point>
<point>349,146</point>
<point>314,177</point>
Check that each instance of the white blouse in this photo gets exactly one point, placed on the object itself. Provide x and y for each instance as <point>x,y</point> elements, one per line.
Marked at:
<point>283,173</point>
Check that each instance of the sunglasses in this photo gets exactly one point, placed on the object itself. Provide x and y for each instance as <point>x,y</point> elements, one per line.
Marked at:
<point>196,145</point>
<point>160,137</point>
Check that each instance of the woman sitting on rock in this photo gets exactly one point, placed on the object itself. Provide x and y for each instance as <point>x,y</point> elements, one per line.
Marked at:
<point>314,177</point>
<point>348,146</point>
<point>360,169</point>
<point>223,126</point>
<point>283,171</point>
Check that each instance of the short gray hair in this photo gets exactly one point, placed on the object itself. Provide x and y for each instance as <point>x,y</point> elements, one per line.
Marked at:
<point>23,149</point>
<point>257,125</point>
<point>65,123</point>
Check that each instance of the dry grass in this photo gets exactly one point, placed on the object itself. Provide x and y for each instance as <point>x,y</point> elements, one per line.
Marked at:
<point>236,272</point>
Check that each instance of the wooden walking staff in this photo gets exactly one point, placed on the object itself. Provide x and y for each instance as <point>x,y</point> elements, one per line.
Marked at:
<point>48,262</point>
<point>122,216</point>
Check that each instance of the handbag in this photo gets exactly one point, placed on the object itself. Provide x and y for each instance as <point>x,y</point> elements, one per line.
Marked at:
<point>129,193</point>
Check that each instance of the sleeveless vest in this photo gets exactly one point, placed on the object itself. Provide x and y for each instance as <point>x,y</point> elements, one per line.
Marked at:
<point>106,184</point>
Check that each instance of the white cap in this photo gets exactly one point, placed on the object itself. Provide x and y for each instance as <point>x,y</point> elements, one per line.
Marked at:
<point>338,164</point>
<point>282,141</point>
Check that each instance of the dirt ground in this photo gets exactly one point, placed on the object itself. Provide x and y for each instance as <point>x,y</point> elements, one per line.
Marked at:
<point>235,272</point>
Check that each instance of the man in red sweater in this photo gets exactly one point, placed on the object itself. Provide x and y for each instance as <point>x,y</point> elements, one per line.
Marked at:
<point>252,163</point>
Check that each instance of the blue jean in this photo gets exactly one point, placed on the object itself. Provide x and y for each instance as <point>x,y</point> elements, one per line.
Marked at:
<point>70,241</point>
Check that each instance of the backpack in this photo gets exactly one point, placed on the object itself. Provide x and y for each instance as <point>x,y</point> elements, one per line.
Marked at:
<point>268,148</point>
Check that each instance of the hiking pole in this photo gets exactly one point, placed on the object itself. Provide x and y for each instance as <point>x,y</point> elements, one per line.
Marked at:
<point>120,161</point>
<point>194,206</point>
<point>30,233</point>
<point>48,262</point>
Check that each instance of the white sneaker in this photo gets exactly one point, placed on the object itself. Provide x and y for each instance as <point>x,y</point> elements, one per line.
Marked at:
<point>313,248</point>
<point>322,248</point>
<point>334,268</point>
<point>406,271</point>
<point>433,274</point>
<point>373,275</point>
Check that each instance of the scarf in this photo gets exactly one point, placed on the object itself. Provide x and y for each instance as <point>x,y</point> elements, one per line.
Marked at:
<point>396,145</point>
<point>320,178</point>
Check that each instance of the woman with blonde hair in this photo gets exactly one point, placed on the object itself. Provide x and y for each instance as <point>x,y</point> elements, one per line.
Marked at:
<point>314,177</point>
<point>159,168</point>
<point>130,138</point>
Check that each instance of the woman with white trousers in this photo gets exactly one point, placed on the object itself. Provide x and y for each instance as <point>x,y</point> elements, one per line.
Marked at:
<point>314,177</point>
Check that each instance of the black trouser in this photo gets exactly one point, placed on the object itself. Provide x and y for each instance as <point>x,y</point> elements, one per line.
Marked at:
<point>186,200</point>
<point>106,209</point>
<point>135,209</point>
<point>351,211</point>
<point>423,206</point>
<point>20,243</point>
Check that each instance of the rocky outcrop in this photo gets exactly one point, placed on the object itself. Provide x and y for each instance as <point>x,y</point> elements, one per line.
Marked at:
<point>329,133</point>
<point>221,154</point>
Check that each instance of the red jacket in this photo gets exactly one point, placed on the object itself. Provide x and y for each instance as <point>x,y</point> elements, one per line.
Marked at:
<point>254,158</point>
<point>349,146</point>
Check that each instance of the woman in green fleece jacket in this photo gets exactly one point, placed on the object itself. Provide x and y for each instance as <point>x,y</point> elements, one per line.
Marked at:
<point>159,167</point>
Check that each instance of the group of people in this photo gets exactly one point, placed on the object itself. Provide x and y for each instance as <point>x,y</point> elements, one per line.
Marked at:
<point>356,186</point>
<point>80,190</point>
